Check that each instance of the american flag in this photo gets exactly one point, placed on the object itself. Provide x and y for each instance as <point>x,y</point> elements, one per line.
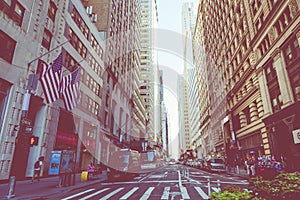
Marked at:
<point>50,79</point>
<point>70,89</point>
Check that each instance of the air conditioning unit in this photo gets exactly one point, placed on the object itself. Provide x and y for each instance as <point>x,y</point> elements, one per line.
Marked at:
<point>89,10</point>
<point>94,18</point>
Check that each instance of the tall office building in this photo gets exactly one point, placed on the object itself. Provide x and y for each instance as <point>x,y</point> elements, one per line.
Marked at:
<point>188,18</point>
<point>123,113</point>
<point>202,140</point>
<point>254,46</point>
<point>183,114</point>
<point>36,33</point>
<point>188,24</point>
<point>149,65</point>
<point>164,118</point>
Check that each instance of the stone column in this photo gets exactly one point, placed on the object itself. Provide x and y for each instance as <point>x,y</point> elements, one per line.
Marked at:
<point>243,120</point>
<point>253,112</point>
<point>265,96</point>
<point>283,79</point>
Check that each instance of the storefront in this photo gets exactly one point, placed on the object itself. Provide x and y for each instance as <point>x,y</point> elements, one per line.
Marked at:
<point>251,143</point>
<point>281,126</point>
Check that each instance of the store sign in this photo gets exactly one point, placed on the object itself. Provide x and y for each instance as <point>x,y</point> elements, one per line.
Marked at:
<point>296,135</point>
<point>66,138</point>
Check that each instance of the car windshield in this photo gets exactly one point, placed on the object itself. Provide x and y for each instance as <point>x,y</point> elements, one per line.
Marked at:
<point>216,160</point>
<point>148,156</point>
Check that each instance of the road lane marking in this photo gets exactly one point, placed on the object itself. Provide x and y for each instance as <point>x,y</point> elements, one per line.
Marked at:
<point>78,194</point>
<point>238,183</point>
<point>215,189</point>
<point>184,193</point>
<point>179,179</point>
<point>157,176</point>
<point>138,182</point>
<point>166,193</point>
<point>147,193</point>
<point>201,192</point>
<point>196,173</point>
<point>111,194</point>
<point>146,176</point>
<point>94,194</point>
<point>128,194</point>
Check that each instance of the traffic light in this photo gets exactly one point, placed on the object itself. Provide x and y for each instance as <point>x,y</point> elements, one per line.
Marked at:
<point>34,140</point>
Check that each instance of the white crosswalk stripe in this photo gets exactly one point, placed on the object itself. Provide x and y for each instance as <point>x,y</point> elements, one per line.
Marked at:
<point>94,194</point>
<point>167,192</point>
<point>111,194</point>
<point>184,193</point>
<point>147,193</point>
<point>78,194</point>
<point>201,192</point>
<point>128,194</point>
<point>215,189</point>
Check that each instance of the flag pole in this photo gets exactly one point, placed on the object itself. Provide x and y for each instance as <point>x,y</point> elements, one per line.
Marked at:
<point>28,65</point>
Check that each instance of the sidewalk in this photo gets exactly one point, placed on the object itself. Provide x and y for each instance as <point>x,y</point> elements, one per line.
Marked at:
<point>241,173</point>
<point>46,187</point>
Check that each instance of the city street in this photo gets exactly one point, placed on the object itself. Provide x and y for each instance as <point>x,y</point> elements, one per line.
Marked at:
<point>169,182</point>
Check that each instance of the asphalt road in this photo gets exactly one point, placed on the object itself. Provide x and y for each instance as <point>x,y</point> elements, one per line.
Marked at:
<point>169,182</point>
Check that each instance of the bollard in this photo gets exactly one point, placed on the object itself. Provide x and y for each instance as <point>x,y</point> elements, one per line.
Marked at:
<point>208,186</point>
<point>219,185</point>
<point>74,177</point>
<point>12,184</point>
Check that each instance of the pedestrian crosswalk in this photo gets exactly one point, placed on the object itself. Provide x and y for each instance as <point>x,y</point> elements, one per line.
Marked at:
<point>144,193</point>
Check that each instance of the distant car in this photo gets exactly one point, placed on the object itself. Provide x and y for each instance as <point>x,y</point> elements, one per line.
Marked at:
<point>215,165</point>
<point>172,162</point>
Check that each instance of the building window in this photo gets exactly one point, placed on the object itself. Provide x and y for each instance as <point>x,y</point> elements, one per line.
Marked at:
<point>270,72</point>
<point>273,86</point>
<point>80,23</point>
<point>47,36</point>
<point>77,44</point>
<point>69,62</point>
<point>52,11</point>
<point>276,99</point>
<point>295,82</point>
<point>246,112</point>
<point>291,50</point>
<point>13,9</point>
<point>236,122</point>
<point>7,47</point>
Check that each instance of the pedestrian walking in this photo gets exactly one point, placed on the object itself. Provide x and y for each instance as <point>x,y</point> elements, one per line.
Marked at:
<point>91,169</point>
<point>37,169</point>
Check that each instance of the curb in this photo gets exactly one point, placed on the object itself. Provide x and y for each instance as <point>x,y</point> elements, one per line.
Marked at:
<point>239,175</point>
<point>57,190</point>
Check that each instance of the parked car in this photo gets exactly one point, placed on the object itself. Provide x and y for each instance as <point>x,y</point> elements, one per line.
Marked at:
<point>215,165</point>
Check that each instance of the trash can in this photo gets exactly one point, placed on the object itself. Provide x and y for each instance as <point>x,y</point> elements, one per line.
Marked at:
<point>84,176</point>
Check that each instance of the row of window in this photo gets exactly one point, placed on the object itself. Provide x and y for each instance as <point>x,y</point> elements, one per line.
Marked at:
<point>8,46</point>
<point>13,9</point>
<point>93,85</point>
<point>77,43</point>
<point>291,52</point>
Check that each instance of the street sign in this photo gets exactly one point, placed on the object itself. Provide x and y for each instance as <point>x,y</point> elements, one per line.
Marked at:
<point>26,122</point>
<point>296,136</point>
<point>26,126</point>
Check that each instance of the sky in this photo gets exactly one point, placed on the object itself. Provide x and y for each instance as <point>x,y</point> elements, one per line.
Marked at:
<point>170,41</point>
